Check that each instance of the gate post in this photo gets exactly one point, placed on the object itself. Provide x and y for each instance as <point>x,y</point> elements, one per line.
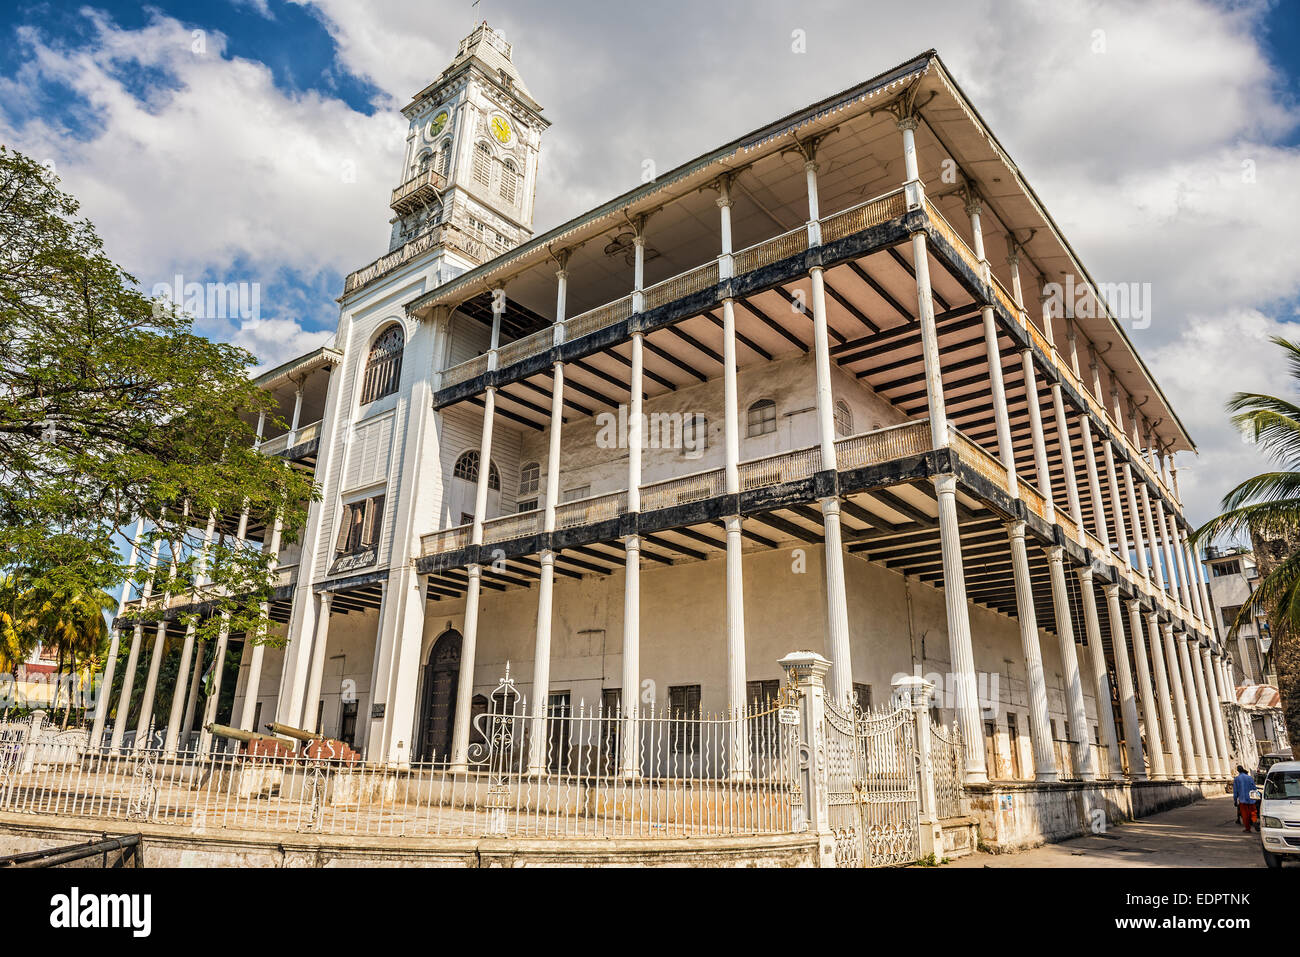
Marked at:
<point>915,693</point>
<point>806,671</point>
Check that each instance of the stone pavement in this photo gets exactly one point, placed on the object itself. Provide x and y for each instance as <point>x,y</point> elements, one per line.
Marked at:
<point>1204,834</point>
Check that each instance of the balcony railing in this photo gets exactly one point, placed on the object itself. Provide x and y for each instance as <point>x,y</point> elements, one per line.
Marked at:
<point>836,226</point>
<point>771,250</point>
<point>281,443</point>
<point>587,511</point>
<point>864,216</point>
<point>683,490</point>
<point>420,190</point>
<point>509,527</point>
<point>680,286</point>
<point>779,469</point>
<point>883,445</point>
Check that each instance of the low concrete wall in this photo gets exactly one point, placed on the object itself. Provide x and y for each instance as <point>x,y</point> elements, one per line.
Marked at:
<point>169,847</point>
<point>1013,816</point>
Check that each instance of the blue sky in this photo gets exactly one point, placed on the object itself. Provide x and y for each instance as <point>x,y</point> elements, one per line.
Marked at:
<point>261,148</point>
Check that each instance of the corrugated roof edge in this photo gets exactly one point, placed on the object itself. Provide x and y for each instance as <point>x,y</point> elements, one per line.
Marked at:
<point>313,358</point>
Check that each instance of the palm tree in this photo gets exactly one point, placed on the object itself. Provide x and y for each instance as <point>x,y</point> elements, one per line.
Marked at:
<point>1267,508</point>
<point>74,623</point>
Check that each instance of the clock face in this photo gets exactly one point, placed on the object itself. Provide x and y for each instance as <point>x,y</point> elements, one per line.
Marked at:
<point>438,124</point>
<point>501,129</point>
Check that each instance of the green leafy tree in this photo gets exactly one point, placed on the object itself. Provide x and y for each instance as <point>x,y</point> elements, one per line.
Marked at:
<point>113,407</point>
<point>1266,508</point>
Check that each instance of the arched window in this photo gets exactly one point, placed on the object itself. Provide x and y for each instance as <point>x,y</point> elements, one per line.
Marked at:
<point>509,181</point>
<point>762,418</point>
<point>530,478</point>
<point>467,468</point>
<point>384,365</point>
<point>843,418</point>
<point>483,163</point>
<point>444,157</point>
<point>424,162</point>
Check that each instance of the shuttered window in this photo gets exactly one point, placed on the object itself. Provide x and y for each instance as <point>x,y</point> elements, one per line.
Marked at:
<point>361,526</point>
<point>372,444</point>
<point>383,365</point>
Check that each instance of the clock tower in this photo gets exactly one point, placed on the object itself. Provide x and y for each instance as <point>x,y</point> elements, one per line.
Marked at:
<point>470,168</point>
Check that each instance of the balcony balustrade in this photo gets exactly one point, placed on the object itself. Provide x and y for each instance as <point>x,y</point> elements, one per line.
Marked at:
<point>421,189</point>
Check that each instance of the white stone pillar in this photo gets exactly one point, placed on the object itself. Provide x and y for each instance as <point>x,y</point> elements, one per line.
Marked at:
<point>840,681</point>
<point>1151,719</point>
<point>110,665</point>
<point>1124,678</point>
<point>1100,676</point>
<point>1116,503</point>
<point>192,696</point>
<point>954,580</point>
<point>546,584</point>
<point>1193,706</point>
<point>311,701</point>
<point>1175,732</point>
<point>1204,702</point>
<point>1066,445</point>
<point>1174,546</point>
<point>132,659</point>
<point>738,759</point>
<point>805,670</point>
<point>214,696</point>
<point>1094,483</point>
<point>1006,452</point>
<point>1044,475</point>
<point>631,763</point>
<point>1174,671</point>
<point>1214,704</point>
<point>1040,727</point>
<point>1075,710</point>
<point>1139,547</point>
<point>296,419</point>
<point>1157,573</point>
<point>257,653</point>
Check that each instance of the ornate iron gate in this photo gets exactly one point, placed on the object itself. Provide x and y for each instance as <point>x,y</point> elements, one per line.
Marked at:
<point>872,786</point>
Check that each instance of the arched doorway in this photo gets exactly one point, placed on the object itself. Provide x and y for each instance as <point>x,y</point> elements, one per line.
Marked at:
<point>438,708</point>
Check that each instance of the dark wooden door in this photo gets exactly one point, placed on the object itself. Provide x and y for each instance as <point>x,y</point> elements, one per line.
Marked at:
<point>438,711</point>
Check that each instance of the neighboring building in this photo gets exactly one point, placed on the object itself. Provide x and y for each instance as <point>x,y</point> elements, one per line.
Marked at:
<point>870,430</point>
<point>1233,575</point>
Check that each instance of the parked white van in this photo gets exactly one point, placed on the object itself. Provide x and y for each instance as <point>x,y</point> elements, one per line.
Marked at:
<point>1279,813</point>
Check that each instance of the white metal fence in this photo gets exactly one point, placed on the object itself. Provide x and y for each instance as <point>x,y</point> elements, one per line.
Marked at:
<point>528,775</point>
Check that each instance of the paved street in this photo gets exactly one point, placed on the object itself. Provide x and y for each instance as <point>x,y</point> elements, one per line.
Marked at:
<point>1204,834</point>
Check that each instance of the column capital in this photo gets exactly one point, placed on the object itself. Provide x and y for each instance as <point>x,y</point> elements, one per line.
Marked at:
<point>908,122</point>
<point>974,205</point>
<point>632,542</point>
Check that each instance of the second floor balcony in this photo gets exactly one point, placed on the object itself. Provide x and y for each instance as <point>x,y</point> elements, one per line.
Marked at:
<point>422,189</point>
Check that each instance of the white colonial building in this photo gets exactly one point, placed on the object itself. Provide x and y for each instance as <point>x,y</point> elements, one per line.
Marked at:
<point>817,388</point>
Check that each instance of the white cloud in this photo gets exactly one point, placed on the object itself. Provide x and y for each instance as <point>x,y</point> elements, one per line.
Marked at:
<point>1137,150</point>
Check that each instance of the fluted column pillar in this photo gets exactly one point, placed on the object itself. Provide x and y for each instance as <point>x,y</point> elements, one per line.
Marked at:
<point>1100,676</point>
<point>1194,714</point>
<point>1146,691</point>
<point>1075,710</point>
<point>1040,727</point>
<point>1187,748</point>
<point>1164,697</point>
<point>1124,678</point>
<point>1215,706</point>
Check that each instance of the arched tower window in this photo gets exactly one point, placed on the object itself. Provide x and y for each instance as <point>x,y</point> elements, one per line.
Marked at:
<point>509,181</point>
<point>425,161</point>
<point>466,468</point>
<point>444,157</point>
<point>483,163</point>
<point>383,365</point>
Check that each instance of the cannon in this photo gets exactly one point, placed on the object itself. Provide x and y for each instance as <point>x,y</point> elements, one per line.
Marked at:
<point>289,731</point>
<point>315,744</point>
<point>255,744</point>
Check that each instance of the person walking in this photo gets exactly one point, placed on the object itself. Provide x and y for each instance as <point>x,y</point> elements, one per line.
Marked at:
<point>1243,785</point>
